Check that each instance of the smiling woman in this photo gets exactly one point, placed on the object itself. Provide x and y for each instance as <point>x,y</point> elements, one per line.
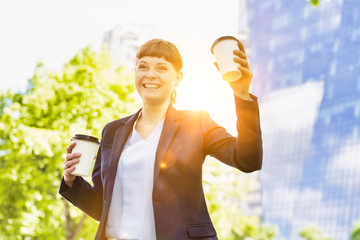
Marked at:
<point>148,171</point>
<point>156,79</point>
<point>171,59</point>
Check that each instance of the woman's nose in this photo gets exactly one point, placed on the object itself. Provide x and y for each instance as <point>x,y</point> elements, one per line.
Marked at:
<point>151,72</point>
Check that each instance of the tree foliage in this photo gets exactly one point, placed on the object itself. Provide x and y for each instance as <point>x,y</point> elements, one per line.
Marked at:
<point>355,234</point>
<point>315,2</point>
<point>313,233</point>
<point>35,128</point>
<point>227,190</point>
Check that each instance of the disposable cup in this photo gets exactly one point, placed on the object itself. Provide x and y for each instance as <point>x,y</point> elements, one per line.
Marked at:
<point>87,146</point>
<point>222,49</point>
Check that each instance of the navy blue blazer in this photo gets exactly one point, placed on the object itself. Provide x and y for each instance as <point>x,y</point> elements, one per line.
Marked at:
<point>187,138</point>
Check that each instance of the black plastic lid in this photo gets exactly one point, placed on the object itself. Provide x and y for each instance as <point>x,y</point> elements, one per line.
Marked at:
<point>86,138</point>
<point>222,39</point>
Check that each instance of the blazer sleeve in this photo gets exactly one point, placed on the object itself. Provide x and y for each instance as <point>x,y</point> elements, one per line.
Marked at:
<point>243,152</point>
<point>84,196</point>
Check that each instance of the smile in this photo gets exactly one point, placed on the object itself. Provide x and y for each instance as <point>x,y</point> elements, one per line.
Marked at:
<point>152,86</point>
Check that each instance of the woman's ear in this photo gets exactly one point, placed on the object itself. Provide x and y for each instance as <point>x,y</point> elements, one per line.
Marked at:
<point>179,78</point>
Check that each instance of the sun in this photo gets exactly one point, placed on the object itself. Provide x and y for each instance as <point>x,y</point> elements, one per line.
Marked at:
<point>194,97</point>
<point>205,94</point>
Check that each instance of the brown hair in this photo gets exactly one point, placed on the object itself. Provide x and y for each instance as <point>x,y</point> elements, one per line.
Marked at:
<point>165,49</point>
<point>161,48</point>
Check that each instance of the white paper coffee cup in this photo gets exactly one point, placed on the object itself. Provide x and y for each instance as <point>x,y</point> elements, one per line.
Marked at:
<point>87,146</point>
<point>222,49</point>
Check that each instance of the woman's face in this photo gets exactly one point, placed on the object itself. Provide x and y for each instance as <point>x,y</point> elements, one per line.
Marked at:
<point>155,79</point>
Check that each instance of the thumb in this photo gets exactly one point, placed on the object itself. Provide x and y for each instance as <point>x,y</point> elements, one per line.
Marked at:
<point>217,66</point>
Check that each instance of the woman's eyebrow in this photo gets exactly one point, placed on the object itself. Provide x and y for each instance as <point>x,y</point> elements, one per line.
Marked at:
<point>163,63</point>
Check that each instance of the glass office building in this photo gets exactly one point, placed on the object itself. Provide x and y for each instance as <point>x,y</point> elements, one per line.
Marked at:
<point>306,65</point>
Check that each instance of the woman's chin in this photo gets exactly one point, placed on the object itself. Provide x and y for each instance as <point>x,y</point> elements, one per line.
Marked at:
<point>152,100</point>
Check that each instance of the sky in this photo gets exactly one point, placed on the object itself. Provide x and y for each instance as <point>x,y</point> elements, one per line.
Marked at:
<point>53,31</point>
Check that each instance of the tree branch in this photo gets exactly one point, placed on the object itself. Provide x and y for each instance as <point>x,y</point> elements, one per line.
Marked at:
<point>69,222</point>
<point>79,226</point>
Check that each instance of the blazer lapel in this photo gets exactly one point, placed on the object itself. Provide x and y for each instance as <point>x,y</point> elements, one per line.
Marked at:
<point>170,127</point>
<point>121,135</point>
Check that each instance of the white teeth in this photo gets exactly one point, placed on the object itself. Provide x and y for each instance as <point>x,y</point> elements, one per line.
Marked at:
<point>151,86</point>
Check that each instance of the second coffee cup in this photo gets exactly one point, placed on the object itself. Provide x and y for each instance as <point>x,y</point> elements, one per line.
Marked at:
<point>222,49</point>
<point>87,146</point>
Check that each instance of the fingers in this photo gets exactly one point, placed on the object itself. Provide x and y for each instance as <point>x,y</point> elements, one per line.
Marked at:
<point>241,46</point>
<point>240,54</point>
<point>243,62</point>
<point>245,72</point>
<point>70,156</point>
<point>69,165</point>
<point>241,59</point>
<point>70,160</point>
<point>69,170</point>
<point>70,147</point>
<point>217,66</point>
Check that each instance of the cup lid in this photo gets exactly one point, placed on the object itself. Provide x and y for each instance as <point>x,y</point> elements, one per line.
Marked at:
<point>222,39</point>
<point>86,138</point>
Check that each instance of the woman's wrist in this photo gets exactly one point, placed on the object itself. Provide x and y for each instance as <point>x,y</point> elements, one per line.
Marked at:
<point>243,95</point>
<point>69,183</point>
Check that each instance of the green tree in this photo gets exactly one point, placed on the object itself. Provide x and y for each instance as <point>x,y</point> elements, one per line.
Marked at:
<point>313,233</point>
<point>355,234</point>
<point>315,2</point>
<point>226,190</point>
<point>35,128</point>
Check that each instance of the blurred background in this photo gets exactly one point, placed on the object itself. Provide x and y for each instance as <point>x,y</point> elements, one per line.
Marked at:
<point>67,67</point>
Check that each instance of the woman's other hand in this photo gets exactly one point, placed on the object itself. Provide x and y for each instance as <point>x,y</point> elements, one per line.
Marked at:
<point>70,160</point>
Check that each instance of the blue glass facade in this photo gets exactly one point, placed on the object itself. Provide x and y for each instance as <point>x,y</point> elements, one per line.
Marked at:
<point>306,64</point>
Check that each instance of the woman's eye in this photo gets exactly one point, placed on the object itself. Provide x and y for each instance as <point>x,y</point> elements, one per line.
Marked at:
<point>163,68</point>
<point>141,67</point>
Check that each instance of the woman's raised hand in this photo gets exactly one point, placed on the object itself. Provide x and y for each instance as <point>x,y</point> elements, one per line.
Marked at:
<point>242,85</point>
<point>70,160</point>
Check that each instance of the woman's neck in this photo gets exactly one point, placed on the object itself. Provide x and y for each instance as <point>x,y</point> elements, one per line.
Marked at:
<point>152,114</point>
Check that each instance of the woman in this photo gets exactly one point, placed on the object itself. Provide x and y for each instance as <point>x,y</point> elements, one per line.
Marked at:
<point>147,181</point>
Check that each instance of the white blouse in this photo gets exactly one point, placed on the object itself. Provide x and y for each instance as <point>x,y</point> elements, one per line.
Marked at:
<point>131,213</point>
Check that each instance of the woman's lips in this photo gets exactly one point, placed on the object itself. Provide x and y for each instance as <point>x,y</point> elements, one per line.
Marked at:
<point>151,86</point>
